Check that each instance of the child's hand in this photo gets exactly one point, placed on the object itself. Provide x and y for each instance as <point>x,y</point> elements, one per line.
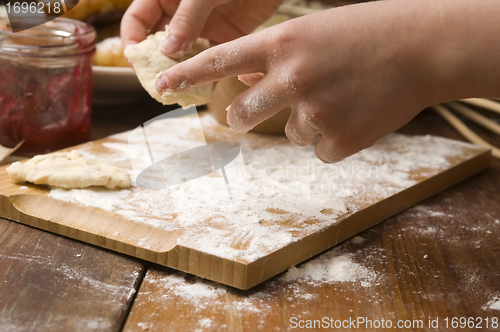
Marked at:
<point>217,20</point>
<point>338,70</point>
<point>353,74</point>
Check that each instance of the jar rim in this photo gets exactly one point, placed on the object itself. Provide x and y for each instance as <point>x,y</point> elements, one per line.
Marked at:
<point>58,37</point>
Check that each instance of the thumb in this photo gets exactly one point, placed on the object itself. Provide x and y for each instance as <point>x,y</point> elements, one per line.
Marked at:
<point>186,25</point>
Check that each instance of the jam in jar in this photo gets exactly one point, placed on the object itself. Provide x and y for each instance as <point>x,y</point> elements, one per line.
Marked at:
<point>45,85</point>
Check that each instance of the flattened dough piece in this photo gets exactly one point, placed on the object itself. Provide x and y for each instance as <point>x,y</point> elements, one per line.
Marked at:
<point>69,170</point>
<point>148,61</point>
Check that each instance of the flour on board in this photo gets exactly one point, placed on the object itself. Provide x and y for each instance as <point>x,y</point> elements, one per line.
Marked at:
<point>291,194</point>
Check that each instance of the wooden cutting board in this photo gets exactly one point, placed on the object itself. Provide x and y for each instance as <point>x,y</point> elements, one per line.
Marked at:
<point>225,247</point>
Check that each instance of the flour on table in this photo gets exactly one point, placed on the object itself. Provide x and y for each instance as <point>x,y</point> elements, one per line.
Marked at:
<point>291,194</point>
<point>68,170</point>
<point>199,295</point>
<point>493,304</point>
<point>330,267</point>
<point>148,62</point>
<point>357,240</point>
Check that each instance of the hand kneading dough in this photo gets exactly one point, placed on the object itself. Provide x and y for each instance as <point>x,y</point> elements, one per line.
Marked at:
<point>69,170</point>
<point>148,61</point>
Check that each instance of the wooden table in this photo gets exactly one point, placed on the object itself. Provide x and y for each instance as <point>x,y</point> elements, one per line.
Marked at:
<point>439,259</point>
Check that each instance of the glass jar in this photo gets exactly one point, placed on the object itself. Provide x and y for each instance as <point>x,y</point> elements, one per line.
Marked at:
<point>45,84</point>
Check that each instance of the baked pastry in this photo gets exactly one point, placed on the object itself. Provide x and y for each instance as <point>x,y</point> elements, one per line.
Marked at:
<point>109,52</point>
<point>95,12</point>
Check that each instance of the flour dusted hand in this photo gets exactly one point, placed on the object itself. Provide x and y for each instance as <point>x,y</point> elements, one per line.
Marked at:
<point>353,74</point>
<point>148,62</point>
<point>69,170</point>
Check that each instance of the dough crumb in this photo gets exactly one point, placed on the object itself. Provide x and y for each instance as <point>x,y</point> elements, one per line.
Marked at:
<point>357,240</point>
<point>69,170</point>
<point>148,62</point>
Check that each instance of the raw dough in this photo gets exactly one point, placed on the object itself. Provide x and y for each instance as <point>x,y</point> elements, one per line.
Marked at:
<point>148,61</point>
<point>69,170</point>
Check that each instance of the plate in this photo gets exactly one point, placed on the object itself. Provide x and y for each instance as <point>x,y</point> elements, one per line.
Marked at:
<point>113,85</point>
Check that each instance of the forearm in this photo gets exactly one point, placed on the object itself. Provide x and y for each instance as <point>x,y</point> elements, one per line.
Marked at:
<point>356,73</point>
<point>461,51</point>
<point>443,49</point>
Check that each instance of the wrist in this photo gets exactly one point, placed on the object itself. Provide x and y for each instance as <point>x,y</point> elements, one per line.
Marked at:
<point>462,50</point>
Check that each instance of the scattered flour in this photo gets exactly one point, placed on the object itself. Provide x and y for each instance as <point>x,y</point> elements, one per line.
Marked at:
<point>357,240</point>
<point>330,267</point>
<point>143,326</point>
<point>207,297</point>
<point>422,210</point>
<point>290,193</point>
<point>493,304</point>
<point>198,289</point>
<point>258,102</point>
<point>206,322</point>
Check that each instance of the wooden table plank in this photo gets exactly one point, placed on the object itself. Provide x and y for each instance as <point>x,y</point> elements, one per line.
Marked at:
<point>407,286</point>
<point>459,277</point>
<point>438,259</point>
<point>127,235</point>
<point>50,283</point>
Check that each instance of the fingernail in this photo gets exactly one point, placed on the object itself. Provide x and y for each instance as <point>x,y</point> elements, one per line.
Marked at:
<point>161,84</point>
<point>236,126</point>
<point>173,46</point>
<point>236,129</point>
<point>227,119</point>
<point>170,45</point>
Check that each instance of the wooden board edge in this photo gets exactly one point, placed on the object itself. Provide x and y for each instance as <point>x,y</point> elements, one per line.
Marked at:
<point>17,208</point>
<point>275,263</point>
<point>178,257</point>
<point>205,265</point>
<point>245,276</point>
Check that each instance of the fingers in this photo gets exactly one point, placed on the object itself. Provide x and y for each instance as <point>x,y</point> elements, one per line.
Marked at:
<point>241,56</point>
<point>186,25</point>
<point>328,152</point>
<point>342,144</point>
<point>298,131</point>
<point>256,104</point>
<point>140,18</point>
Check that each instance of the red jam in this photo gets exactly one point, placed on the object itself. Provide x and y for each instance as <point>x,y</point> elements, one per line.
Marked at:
<point>45,86</point>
